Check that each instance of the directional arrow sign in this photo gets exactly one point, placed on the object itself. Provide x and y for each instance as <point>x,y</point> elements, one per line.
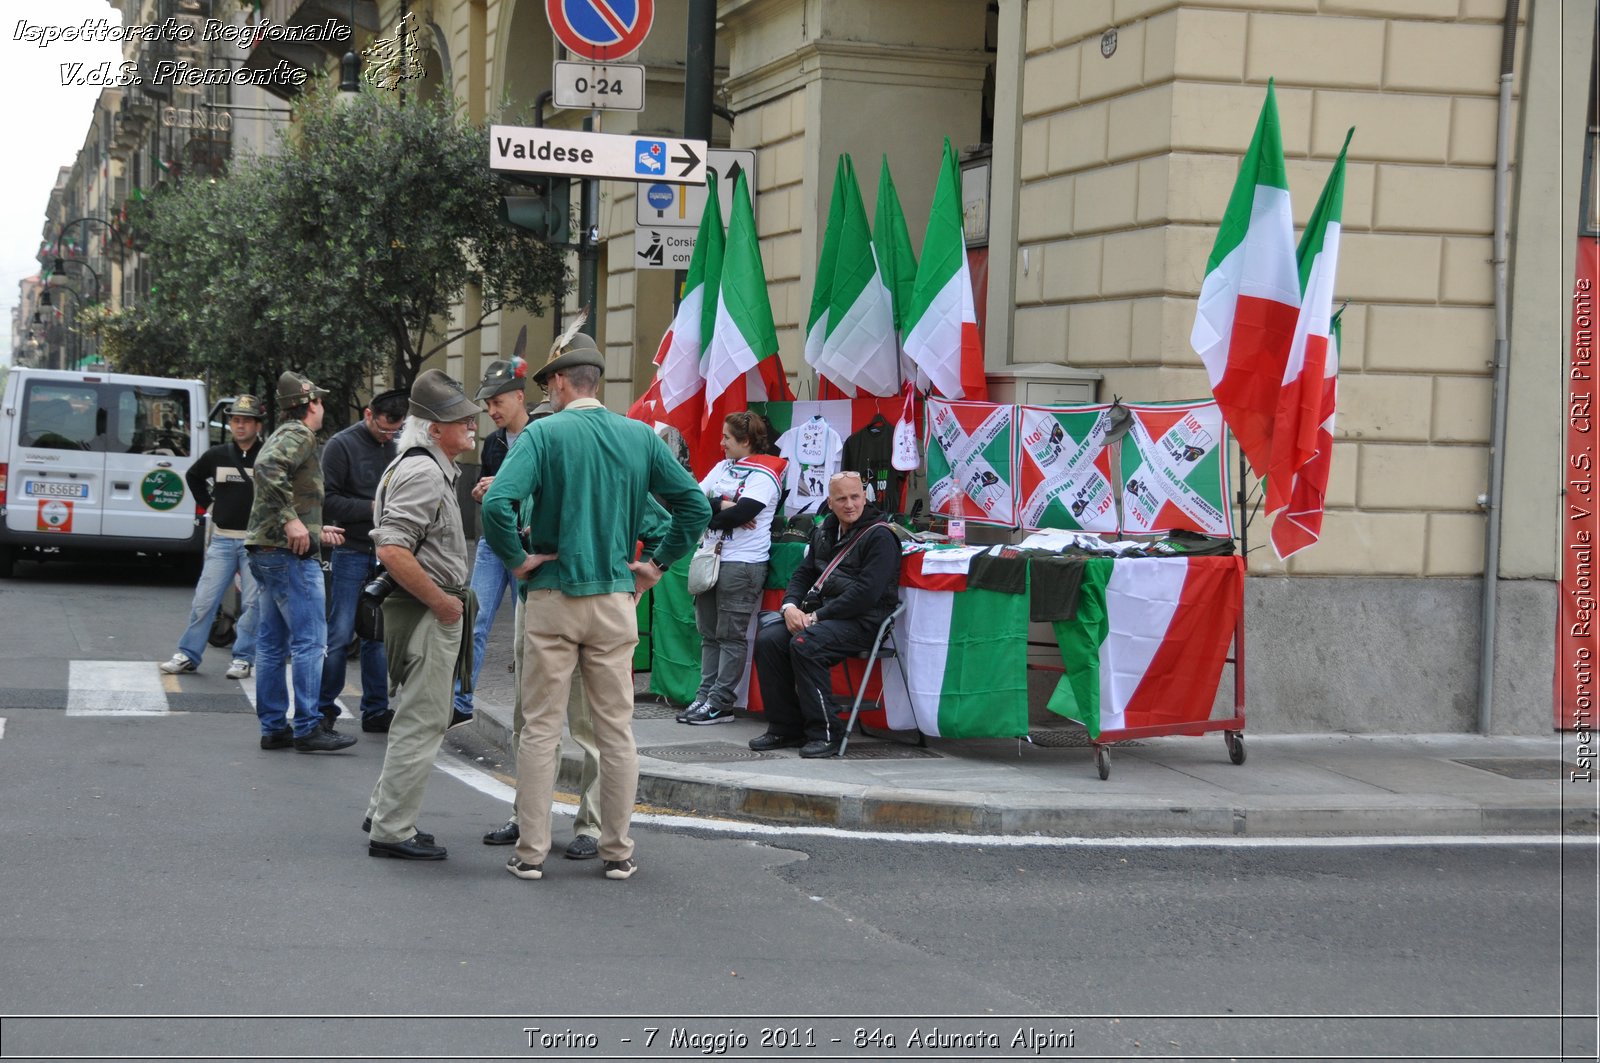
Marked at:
<point>527,149</point>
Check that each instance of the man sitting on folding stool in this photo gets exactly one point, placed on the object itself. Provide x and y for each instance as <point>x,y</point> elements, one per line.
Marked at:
<point>831,610</point>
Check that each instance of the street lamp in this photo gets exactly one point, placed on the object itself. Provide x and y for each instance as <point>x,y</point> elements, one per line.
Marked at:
<point>60,267</point>
<point>350,65</point>
<point>45,300</point>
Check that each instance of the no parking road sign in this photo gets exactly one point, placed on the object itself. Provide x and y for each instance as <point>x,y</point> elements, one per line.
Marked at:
<point>600,29</point>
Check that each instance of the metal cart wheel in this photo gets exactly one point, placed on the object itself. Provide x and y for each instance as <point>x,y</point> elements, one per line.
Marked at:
<point>1102,762</point>
<point>1235,741</point>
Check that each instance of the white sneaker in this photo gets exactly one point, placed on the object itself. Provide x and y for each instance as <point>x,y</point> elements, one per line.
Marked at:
<point>179,663</point>
<point>238,669</point>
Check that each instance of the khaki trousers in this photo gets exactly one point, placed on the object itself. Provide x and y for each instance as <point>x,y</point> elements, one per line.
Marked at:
<point>587,821</point>
<point>593,636</point>
<point>422,663</point>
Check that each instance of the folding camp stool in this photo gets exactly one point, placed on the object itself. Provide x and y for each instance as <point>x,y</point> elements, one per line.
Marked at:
<point>884,645</point>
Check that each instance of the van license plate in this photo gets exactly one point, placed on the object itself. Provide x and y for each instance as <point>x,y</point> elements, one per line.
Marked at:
<point>36,488</point>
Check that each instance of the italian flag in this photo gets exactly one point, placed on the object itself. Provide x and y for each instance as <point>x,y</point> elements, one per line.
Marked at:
<point>896,262</point>
<point>967,661</point>
<point>741,363</point>
<point>822,289</point>
<point>1301,410</point>
<point>678,360</point>
<point>859,349</point>
<point>941,325</point>
<point>1300,524</point>
<point>1250,297</point>
<point>1148,642</point>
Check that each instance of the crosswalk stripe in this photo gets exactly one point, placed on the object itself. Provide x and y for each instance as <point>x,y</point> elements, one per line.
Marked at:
<point>115,688</point>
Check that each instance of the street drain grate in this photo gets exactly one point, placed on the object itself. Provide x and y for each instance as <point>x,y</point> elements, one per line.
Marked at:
<point>888,751</point>
<point>1523,767</point>
<point>698,751</point>
<point>1070,738</point>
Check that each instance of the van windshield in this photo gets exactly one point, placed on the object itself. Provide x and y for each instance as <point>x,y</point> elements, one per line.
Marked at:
<point>106,417</point>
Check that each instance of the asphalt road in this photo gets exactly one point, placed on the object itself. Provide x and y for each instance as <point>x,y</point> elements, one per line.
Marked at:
<point>163,865</point>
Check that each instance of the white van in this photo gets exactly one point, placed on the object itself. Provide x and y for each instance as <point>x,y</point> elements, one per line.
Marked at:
<point>92,463</point>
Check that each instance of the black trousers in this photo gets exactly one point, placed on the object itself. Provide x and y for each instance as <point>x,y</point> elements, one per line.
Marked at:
<point>793,671</point>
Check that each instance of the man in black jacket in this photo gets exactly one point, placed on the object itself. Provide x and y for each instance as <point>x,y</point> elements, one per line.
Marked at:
<point>831,609</point>
<point>352,463</point>
<point>221,481</point>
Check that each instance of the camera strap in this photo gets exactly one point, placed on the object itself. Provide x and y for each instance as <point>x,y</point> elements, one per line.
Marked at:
<point>383,491</point>
<point>816,588</point>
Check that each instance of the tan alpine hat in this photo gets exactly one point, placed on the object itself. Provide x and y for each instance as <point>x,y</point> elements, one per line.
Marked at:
<point>436,397</point>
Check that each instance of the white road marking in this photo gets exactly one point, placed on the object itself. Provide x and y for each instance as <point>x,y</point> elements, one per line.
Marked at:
<point>115,688</point>
<point>485,783</point>
<point>2,726</point>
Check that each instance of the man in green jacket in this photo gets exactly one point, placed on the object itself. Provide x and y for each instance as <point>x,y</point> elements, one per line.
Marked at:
<point>584,477</point>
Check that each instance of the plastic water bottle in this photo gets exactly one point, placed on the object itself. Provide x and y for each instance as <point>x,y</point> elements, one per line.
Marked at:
<point>956,526</point>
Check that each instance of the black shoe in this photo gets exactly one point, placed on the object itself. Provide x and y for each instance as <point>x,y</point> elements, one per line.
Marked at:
<point>709,714</point>
<point>422,836</point>
<point>457,718</point>
<point>412,849</point>
<point>377,723</point>
<point>278,739</point>
<point>769,741</point>
<point>506,835</point>
<point>521,870</point>
<point>582,847</point>
<point>323,742</point>
<point>690,709</point>
<point>818,749</point>
<point>328,719</point>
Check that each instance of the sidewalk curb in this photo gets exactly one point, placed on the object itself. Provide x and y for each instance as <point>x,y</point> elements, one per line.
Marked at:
<point>779,800</point>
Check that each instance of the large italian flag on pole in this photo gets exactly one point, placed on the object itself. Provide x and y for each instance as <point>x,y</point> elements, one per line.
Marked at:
<point>678,361</point>
<point>822,288</point>
<point>941,327</point>
<point>860,349</point>
<point>896,261</point>
<point>741,363</point>
<point>1300,410</point>
<point>1300,524</point>
<point>1148,642</point>
<point>1249,300</point>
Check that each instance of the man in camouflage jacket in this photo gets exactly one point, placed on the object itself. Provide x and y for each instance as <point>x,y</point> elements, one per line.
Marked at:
<point>285,540</point>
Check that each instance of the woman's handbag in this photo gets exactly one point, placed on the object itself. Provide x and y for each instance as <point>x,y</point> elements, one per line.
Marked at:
<point>704,566</point>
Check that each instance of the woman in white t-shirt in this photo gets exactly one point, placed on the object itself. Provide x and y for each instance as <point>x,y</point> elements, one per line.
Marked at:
<point>743,489</point>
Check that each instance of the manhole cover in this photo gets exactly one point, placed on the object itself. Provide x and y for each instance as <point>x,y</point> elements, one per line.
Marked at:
<point>1523,767</point>
<point>699,751</point>
<point>888,751</point>
<point>1069,738</point>
<point>653,710</point>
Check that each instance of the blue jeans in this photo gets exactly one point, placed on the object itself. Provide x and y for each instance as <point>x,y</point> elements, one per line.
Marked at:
<point>293,627</point>
<point>490,581</point>
<point>352,567</point>
<point>224,557</point>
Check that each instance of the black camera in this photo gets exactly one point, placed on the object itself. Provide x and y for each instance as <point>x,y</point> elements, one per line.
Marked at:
<point>379,587</point>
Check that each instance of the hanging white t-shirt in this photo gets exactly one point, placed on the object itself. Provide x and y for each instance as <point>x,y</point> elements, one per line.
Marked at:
<point>815,453</point>
<point>737,480</point>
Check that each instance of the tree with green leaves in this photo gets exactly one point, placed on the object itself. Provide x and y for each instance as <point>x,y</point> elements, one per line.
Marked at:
<point>351,251</point>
